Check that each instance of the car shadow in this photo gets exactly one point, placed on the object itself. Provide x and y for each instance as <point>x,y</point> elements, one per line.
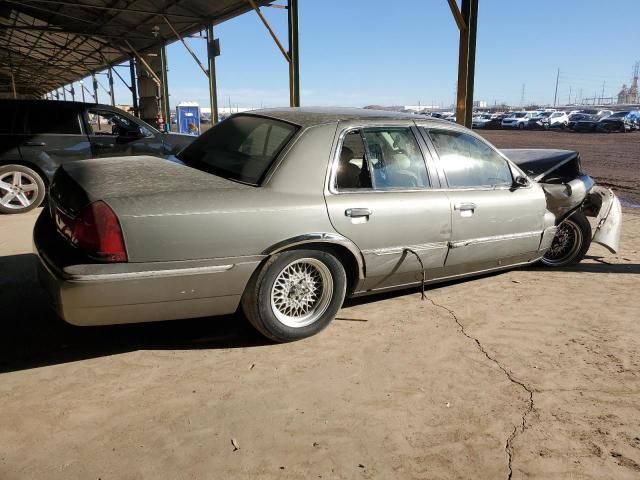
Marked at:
<point>33,336</point>
<point>597,265</point>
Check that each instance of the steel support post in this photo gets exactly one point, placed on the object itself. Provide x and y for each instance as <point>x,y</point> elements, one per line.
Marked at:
<point>94,82</point>
<point>111,92</point>
<point>294,66</point>
<point>82,90</point>
<point>72,91</point>
<point>466,60</point>
<point>166,108</point>
<point>472,23</point>
<point>213,89</point>
<point>64,93</point>
<point>134,92</point>
<point>13,85</point>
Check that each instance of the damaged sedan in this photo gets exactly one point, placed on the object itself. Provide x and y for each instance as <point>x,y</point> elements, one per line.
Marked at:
<point>282,213</point>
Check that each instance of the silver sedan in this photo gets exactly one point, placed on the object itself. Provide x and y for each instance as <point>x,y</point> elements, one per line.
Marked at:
<point>284,212</point>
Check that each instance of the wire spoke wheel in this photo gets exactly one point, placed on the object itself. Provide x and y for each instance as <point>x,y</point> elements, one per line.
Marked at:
<point>566,244</point>
<point>301,292</point>
<point>18,190</point>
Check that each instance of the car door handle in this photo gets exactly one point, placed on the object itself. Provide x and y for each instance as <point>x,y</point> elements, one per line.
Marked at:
<point>357,212</point>
<point>34,144</point>
<point>465,206</point>
<point>104,145</point>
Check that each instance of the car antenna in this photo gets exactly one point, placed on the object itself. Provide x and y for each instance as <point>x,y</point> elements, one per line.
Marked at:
<point>424,273</point>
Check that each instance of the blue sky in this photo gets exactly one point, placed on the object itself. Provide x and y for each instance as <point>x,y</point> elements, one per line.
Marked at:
<point>402,52</point>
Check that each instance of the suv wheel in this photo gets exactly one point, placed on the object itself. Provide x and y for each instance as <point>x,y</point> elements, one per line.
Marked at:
<point>295,294</point>
<point>21,189</point>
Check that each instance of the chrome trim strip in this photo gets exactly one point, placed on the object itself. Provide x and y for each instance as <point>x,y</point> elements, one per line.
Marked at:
<point>496,238</point>
<point>106,277</point>
<point>397,250</point>
<point>444,279</point>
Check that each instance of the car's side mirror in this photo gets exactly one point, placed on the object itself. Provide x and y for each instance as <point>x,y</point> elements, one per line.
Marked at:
<point>520,181</point>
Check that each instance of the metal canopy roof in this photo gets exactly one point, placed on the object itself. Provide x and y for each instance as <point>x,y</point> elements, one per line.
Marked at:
<point>46,44</point>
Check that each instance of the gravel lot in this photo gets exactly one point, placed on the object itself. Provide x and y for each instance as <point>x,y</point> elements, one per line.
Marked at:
<point>531,373</point>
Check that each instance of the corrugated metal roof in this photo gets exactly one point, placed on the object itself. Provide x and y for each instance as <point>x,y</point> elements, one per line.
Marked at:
<point>49,43</point>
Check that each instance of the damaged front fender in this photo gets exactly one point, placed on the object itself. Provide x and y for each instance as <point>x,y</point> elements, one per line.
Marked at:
<point>564,198</point>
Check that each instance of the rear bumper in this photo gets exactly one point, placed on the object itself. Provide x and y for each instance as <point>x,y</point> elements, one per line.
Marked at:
<point>106,294</point>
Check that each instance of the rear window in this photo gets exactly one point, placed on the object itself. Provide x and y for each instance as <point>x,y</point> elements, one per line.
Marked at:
<point>53,120</point>
<point>241,148</point>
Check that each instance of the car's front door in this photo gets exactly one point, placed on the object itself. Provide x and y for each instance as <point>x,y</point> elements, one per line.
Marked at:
<point>114,134</point>
<point>380,196</point>
<point>494,222</point>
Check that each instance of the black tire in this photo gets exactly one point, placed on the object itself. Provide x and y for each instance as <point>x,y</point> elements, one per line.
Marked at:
<point>521,126</point>
<point>269,319</point>
<point>21,189</point>
<point>571,242</point>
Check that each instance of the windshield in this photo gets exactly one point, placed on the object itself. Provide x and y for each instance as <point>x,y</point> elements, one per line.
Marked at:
<point>241,148</point>
<point>518,115</point>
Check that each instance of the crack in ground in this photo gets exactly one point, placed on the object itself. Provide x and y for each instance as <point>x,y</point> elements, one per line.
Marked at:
<point>517,428</point>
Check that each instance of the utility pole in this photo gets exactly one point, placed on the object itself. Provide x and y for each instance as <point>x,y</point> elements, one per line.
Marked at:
<point>555,95</point>
<point>602,95</point>
<point>522,95</point>
<point>569,95</point>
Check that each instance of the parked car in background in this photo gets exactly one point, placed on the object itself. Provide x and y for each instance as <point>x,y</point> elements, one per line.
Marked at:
<point>496,121</point>
<point>574,118</point>
<point>37,136</point>
<point>590,123</point>
<point>516,120</point>
<point>626,121</point>
<point>479,121</point>
<point>284,212</point>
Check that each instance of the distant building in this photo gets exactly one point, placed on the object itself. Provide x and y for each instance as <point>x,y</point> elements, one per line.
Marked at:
<point>630,94</point>
<point>480,104</point>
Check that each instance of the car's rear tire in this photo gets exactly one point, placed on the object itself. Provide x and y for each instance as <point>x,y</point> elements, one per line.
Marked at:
<point>295,294</point>
<point>21,189</point>
<point>521,126</point>
<point>571,242</point>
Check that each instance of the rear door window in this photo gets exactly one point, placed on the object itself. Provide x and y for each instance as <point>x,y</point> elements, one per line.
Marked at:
<point>383,158</point>
<point>53,119</point>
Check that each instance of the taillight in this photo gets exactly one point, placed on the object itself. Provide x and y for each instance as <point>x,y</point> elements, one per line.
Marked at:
<point>97,232</point>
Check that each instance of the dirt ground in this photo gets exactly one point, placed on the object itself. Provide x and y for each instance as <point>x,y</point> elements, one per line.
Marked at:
<point>532,373</point>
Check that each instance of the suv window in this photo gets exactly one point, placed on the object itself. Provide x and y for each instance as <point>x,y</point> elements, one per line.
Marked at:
<point>53,120</point>
<point>382,157</point>
<point>7,118</point>
<point>105,122</point>
<point>468,161</point>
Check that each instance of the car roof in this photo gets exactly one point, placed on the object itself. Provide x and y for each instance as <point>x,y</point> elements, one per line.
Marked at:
<point>53,103</point>
<point>310,116</point>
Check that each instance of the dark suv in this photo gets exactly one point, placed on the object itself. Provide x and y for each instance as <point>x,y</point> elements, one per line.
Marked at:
<point>37,136</point>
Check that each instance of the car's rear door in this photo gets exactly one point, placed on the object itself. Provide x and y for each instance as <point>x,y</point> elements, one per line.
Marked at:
<point>54,135</point>
<point>494,223</point>
<point>382,196</point>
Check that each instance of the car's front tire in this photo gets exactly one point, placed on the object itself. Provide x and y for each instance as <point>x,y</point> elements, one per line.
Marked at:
<point>571,242</point>
<point>295,294</point>
<point>21,189</point>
